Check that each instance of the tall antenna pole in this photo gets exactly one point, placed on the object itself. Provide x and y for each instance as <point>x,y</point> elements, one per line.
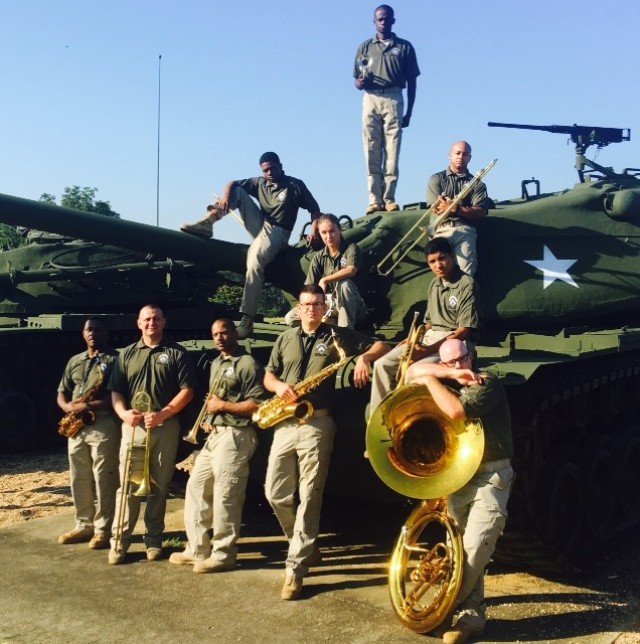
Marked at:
<point>158,159</point>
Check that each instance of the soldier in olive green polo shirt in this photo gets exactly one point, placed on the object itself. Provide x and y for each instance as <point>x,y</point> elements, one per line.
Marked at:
<point>218,482</point>
<point>300,452</point>
<point>451,313</point>
<point>93,450</point>
<point>163,371</point>
<point>479,507</point>
<point>383,66</point>
<point>336,269</point>
<point>270,224</point>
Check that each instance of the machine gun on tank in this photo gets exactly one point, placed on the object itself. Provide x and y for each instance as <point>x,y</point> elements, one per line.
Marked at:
<point>583,136</point>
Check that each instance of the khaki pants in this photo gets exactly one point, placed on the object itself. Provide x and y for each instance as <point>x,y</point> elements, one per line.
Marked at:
<point>382,112</point>
<point>93,471</point>
<point>462,238</point>
<point>480,510</point>
<point>164,445</point>
<point>268,241</point>
<point>299,460</point>
<point>216,492</point>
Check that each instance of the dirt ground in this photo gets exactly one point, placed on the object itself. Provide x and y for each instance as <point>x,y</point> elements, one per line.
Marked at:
<point>37,484</point>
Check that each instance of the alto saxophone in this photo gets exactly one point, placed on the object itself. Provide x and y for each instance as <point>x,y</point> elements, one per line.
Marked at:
<point>275,410</point>
<point>73,421</point>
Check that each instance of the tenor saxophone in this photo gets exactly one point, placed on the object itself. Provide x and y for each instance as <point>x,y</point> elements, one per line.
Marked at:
<point>275,410</point>
<point>73,421</point>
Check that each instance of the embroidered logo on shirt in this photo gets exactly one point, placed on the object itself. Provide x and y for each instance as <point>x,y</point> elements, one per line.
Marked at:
<point>282,195</point>
<point>343,262</point>
<point>102,366</point>
<point>395,51</point>
<point>453,302</point>
<point>228,372</point>
<point>163,358</point>
<point>321,349</point>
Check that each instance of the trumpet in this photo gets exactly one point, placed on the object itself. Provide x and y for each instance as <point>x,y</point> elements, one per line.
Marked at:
<point>218,388</point>
<point>431,229</point>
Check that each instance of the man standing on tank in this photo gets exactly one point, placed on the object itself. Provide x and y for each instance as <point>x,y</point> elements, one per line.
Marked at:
<point>479,507</point>
<point>384,65</point>
<point>459,226</point>
<point>93,450</point>
<point>270,224</point>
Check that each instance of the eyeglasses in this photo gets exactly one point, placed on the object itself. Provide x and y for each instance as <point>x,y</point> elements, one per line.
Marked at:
<point>310,305</point>
<point>458,360</point>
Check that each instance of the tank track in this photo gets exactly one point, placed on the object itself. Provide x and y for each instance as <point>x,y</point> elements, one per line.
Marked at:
<point>577,462</point>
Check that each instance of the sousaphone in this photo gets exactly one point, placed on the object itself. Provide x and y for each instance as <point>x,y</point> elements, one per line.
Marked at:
<point>420,452</point>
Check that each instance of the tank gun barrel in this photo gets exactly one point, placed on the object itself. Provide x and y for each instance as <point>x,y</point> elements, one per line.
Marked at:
<point>160,242</point>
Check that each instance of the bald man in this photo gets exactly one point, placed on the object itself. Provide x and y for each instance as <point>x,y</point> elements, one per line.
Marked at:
<point>459,227</point>
<point>480,507</point>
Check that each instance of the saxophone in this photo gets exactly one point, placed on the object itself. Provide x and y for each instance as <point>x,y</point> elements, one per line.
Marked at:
<point>275,410</point>
<point>72,422</point>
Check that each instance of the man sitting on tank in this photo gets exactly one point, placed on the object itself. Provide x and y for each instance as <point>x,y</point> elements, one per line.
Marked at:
<point>452,313</point>
<point>459,226</point>
<point>336,270</point>
<point>269,224</point>
<point>479,507</point>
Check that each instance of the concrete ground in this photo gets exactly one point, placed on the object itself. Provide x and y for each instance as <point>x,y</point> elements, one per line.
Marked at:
<point>50,594</point>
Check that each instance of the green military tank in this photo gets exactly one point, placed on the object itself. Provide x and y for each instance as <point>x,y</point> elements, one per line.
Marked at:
<point>561,298</point>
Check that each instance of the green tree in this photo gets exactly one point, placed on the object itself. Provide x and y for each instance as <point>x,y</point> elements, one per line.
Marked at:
<point>81,199</point>
<point>227,295</point>
<point>10,238</point>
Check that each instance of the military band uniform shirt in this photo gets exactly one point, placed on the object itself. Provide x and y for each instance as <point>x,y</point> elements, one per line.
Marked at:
<point>459,227</point>
<point>217,485</point>
<point>479,507</point>
<point>452,312</point>
<point>270,224</point>
<point>383,66</point>
<point>337,269</point>
<point>163,370</point>
<point>300,453</point>
<point>93,450</point>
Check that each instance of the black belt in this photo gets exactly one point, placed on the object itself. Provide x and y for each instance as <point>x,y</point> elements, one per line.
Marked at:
<point>385,90</point>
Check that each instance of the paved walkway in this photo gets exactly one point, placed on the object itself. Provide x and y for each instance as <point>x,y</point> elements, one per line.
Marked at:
<point>52,594</point>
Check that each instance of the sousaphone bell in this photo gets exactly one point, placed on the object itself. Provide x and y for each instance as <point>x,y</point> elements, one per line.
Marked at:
<point>417,450</point>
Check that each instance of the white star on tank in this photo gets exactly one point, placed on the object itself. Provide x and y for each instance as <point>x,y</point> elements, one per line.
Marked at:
<point>553,268</point>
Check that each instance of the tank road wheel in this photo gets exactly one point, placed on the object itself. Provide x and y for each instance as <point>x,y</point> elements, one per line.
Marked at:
<point>600,480</point>
<point>425,571</point>
<point>17,421</point>
<point>566,504</point>
<point>627,459</point>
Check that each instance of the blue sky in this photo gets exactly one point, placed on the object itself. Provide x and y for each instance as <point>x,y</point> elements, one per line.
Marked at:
<point>80,95</point>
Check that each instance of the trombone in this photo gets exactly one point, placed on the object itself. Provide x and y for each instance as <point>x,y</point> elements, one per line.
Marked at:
<point>141,403</point>
<point>432,228</point>
<point>218,388</point>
